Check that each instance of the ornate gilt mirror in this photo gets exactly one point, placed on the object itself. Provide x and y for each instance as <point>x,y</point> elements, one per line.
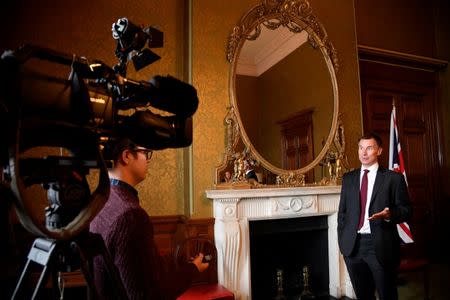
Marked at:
<point>283,116</point>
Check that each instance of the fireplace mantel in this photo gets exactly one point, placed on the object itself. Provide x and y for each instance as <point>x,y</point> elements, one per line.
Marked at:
<point>233,209</point>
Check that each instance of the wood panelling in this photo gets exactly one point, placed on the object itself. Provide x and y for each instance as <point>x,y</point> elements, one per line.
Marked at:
<point>201,227</point>
<point>402,25</point>
<point>413,93</point>
<point>166,232</point>
<point>169,231</point>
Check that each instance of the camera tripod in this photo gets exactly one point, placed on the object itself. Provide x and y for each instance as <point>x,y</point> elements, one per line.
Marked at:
<point>46,253</point>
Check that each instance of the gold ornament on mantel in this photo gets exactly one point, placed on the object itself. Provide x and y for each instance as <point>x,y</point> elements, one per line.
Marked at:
<point>291,179</point>
<point>335,160</point>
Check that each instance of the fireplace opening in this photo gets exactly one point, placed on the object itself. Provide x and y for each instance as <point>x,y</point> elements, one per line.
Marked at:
<point>279,252</point>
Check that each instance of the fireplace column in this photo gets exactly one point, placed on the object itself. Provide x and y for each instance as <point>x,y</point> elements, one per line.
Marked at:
<point>229,241</point>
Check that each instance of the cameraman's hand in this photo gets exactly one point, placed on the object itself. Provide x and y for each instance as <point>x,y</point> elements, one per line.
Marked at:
<point>198,262</point>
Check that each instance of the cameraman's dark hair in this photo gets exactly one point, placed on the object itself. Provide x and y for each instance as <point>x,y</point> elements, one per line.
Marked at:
<point>372,135</point>
<point>114,148</point>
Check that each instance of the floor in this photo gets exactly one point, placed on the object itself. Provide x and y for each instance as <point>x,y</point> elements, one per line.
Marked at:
<point>411,284</point>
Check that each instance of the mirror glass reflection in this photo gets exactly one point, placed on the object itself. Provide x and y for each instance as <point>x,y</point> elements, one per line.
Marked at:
<point>284,96</point>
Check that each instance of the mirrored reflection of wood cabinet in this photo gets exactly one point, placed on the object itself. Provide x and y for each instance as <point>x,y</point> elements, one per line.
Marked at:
<point>297,145</point>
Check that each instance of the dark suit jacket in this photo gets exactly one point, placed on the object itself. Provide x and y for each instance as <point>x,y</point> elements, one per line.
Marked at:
<point>389,190</point>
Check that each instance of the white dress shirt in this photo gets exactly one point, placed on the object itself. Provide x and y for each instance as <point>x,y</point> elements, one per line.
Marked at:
<point>365,229</point>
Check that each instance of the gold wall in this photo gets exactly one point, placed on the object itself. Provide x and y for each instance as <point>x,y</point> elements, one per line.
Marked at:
<point>83,27</point>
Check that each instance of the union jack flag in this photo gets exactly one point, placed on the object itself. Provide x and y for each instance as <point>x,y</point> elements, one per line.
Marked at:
<point>397,164</point>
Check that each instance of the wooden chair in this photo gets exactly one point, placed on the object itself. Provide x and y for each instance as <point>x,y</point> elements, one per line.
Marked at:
<point>205,285</point>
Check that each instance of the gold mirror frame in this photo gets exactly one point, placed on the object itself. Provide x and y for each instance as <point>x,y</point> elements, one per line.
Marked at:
<point>296,15</point>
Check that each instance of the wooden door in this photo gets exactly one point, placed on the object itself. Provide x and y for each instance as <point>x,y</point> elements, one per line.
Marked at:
<point>297,145</point>
<point>413,93</point>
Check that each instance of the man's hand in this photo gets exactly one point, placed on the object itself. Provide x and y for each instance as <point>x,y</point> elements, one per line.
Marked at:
<point>198,262</point>
<point>385,214</point>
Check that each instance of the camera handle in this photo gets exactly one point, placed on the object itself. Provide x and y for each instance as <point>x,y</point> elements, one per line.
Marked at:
<point>45,253</point>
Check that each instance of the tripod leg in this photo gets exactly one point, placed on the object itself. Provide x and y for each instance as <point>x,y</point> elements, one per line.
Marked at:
<point>84,259</point>
<point>42,279</point>
<point>22,276</point>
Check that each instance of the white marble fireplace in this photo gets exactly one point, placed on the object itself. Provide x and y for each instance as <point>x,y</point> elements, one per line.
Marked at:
<point>233,209</point>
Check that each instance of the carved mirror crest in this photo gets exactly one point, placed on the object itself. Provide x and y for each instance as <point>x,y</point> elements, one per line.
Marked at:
<point>282,128</point>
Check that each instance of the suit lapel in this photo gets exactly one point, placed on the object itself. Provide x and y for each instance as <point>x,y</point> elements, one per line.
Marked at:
<point>379,179</point>
<point>355,186</point>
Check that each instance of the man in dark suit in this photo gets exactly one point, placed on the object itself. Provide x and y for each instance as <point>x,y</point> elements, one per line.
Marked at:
<point>373,201</point>
<point>250,174</point>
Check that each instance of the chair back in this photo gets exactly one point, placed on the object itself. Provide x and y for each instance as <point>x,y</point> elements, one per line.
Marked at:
<point>189,248</point>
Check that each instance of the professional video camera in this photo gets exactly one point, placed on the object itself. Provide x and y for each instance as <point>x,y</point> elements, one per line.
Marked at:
<point>79,111</point>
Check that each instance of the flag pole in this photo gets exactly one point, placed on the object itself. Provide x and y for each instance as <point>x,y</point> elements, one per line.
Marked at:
<point>391,134</point>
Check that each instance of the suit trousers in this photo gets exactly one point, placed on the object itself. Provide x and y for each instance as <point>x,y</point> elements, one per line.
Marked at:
<point>367,274</point>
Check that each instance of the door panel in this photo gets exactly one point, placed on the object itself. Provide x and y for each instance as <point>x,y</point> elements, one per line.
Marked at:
<point>297,145</point>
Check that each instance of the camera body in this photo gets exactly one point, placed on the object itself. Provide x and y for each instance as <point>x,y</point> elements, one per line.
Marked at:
<point>41,104</point>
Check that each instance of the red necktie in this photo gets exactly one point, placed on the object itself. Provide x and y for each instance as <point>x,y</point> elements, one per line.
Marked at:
<point>363,197</point>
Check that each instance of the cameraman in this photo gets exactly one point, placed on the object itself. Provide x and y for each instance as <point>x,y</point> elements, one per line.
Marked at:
<point>128,234</point>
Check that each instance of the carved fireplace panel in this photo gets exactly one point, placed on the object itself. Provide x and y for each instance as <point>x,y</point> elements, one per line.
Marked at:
<point>234,209</point>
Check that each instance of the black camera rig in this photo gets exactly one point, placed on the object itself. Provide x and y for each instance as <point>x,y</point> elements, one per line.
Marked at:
<point>41,104</point>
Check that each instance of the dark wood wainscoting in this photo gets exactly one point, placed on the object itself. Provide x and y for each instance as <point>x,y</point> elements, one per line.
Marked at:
<point>169,231</point>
